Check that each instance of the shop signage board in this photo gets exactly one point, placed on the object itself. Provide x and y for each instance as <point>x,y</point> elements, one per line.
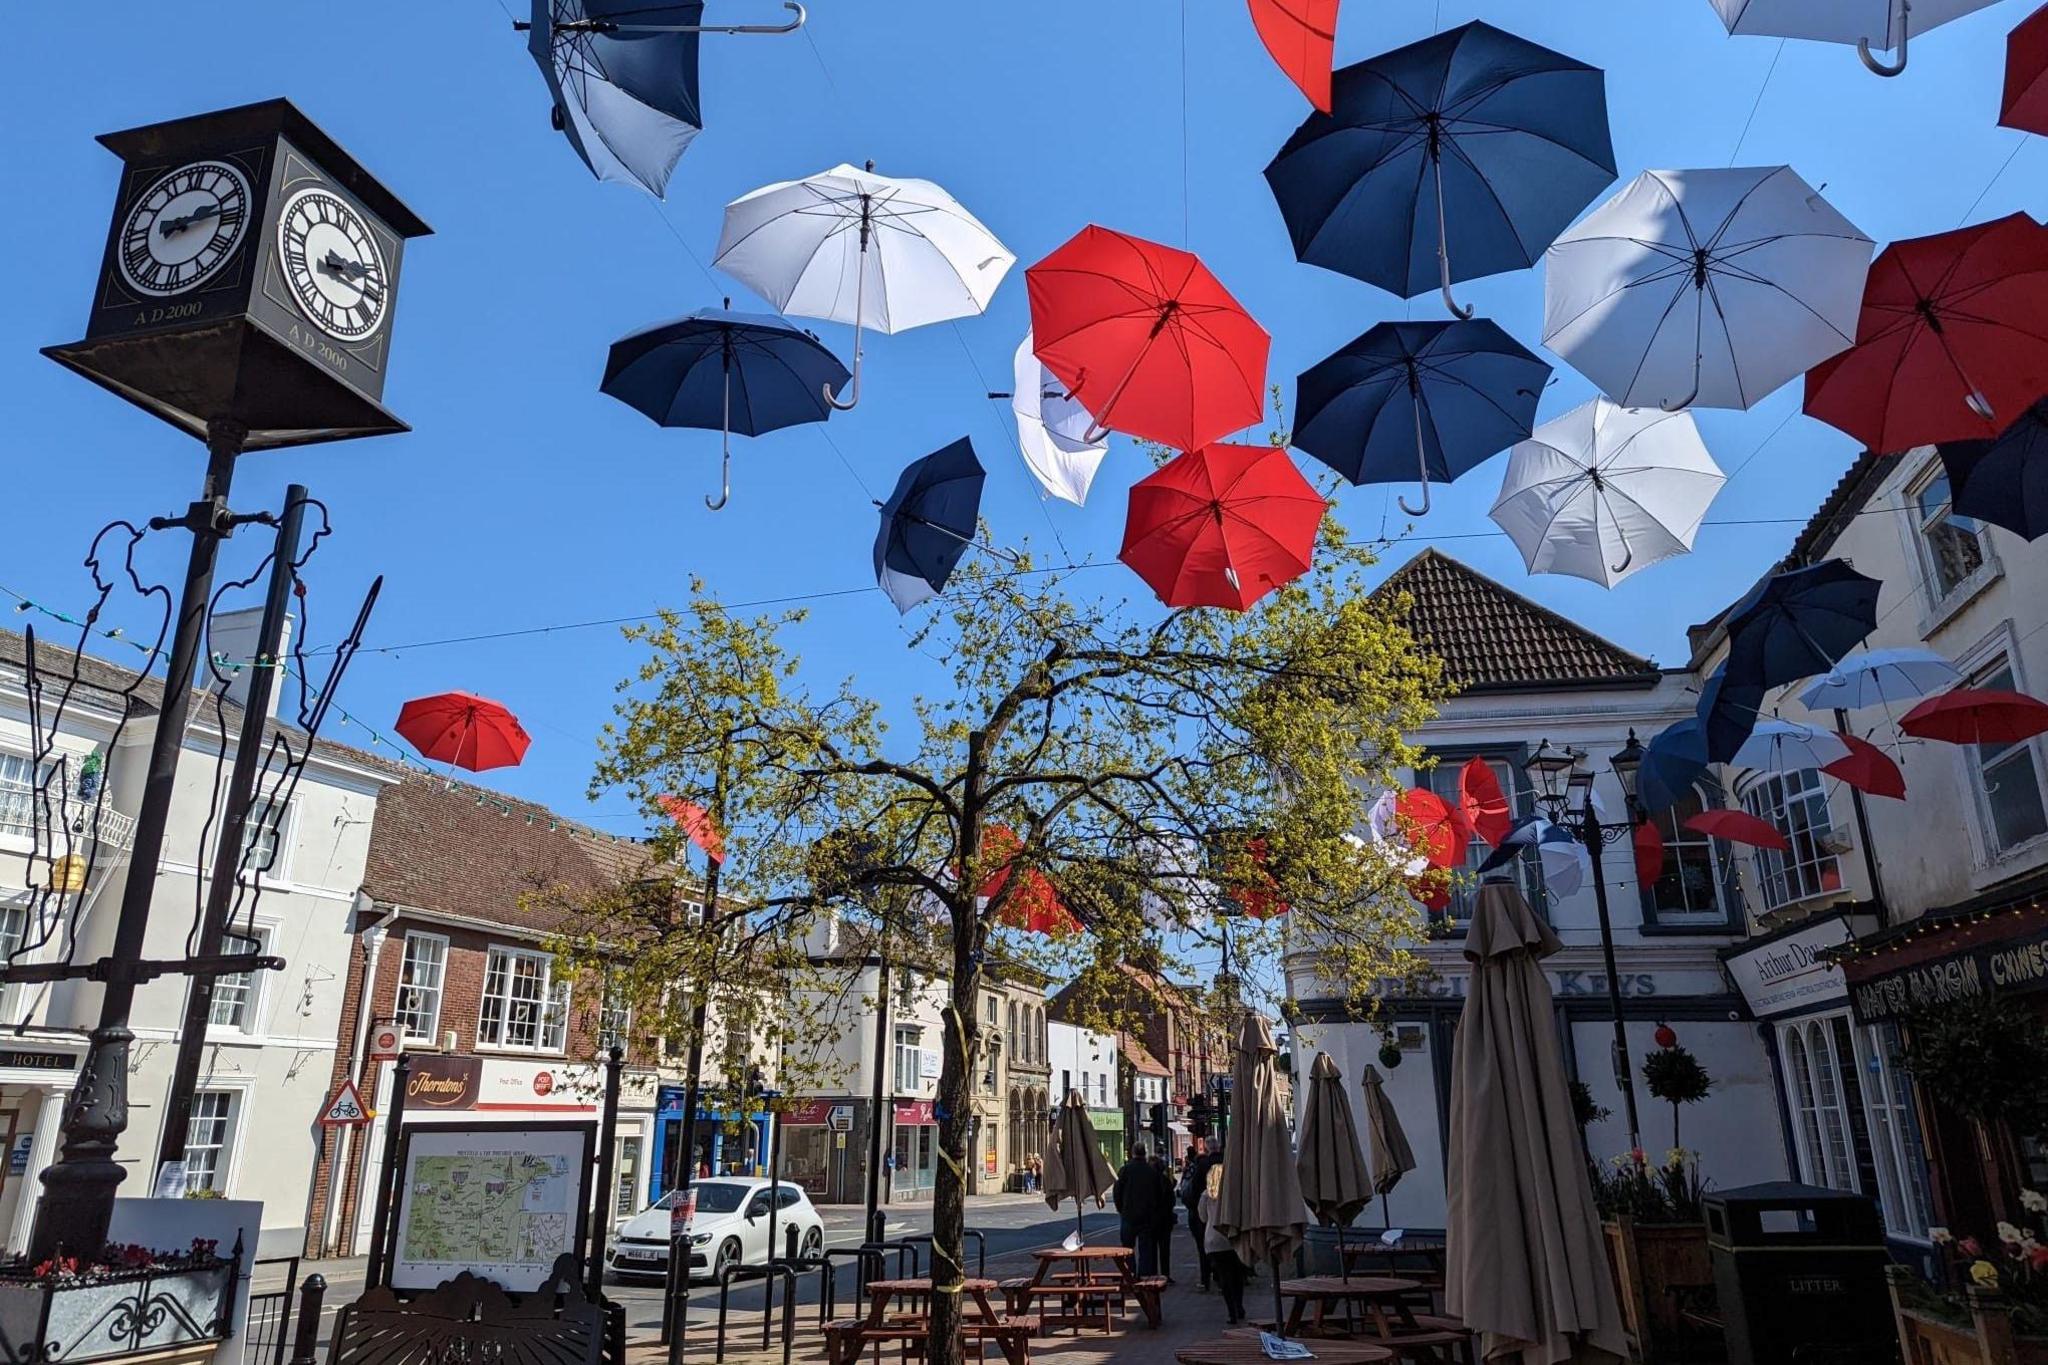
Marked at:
<point>384,1042</point>
<point>2015,966</point>
<point>439,1082</point>
<point>1787,975</point>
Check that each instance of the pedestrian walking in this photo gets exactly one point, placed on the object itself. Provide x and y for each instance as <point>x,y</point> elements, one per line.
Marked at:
<point>1192,1183</point>
<point>1136,1196</point>
<point>1167,1219</point>
<point>1223,1261</point>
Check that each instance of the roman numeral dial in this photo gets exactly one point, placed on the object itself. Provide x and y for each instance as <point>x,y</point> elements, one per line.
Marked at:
<point>333,264</point>
<point>184,228</point>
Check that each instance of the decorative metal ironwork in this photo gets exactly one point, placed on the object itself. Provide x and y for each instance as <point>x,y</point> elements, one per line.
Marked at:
<point>469,1320</point>
<point>62,1320</point>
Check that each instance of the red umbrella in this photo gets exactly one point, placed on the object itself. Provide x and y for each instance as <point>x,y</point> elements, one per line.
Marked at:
<point>1035,906</point>
<point>1949,345</point>
<point>1259,898</point>
<point>1302,36</point>
<point>1436,828</point>
<point>697,823</point>
<point>1145,338</point>
<point>1738,827</point>
<point>1868,768</point>
<point>1648,842</point>
<point>1484,805</point>
<point>468,731</point>
<point>1975,715</point>
<point>1222,526</point>
<point>2026,75</point>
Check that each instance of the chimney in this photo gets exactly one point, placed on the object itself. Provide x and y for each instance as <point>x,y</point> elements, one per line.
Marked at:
<point>232,637</point>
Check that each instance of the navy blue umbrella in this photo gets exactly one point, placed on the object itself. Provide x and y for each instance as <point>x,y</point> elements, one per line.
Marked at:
<point>1798,623</point>
<point>1459,156</point>
<point>1433,397</point>
<point>2004,480</point>
<point>1672,761</point>
<point>928,523</point>
<point>623,74</point>
<point>1727,713</point>
<point>721,371</point>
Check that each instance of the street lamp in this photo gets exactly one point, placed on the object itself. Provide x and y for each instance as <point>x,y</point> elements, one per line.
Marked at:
<point>1563,786</point>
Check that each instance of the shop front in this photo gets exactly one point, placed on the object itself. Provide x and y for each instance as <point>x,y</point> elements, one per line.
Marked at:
<point>36,1074</point>
<point>728,1143</point>
<point>1109,1133</point>
<point>819,1151</point>
<point>913,1153</point>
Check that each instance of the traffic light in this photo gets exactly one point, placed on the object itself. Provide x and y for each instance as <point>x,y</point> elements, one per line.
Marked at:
<point>1159,1124</point>
<point>1198,1116</point>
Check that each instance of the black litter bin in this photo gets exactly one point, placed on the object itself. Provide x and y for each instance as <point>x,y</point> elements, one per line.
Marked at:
<point>1799,1272</point>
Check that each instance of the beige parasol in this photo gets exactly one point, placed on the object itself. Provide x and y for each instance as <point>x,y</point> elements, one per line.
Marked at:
<point>1392,1157</point>
<point>1260,1208</point>
<point>1334,1182</point>
<point>1075,1167</point>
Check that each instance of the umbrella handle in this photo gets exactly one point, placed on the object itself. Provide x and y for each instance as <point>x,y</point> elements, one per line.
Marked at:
<point>1628,557</point>
<point>1443,261</point>
<point>1421,455</point>
<point>1888,68</point>
<point>606,26</point>
<point>725,432</point>
<point>1682,404</point>
<point>860,289</point>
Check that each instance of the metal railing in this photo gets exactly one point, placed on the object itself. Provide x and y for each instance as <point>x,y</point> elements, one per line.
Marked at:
<point>56,814</point>
<point>270,1315</point>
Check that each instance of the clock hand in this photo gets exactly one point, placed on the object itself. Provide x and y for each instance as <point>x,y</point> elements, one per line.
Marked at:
<point>174,225</point>
<point>344,269</point>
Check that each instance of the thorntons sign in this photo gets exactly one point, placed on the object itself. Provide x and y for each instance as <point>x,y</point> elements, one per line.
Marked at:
<point>1787,974</point>
<point>2010,967</point>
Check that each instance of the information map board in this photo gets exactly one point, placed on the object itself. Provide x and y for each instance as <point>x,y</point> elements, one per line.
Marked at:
<point>501,1200</point>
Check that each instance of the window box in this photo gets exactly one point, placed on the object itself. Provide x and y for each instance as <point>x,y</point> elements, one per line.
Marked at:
<point>1657,1268</point>
<point>1929,1333</point>
<point>179,1301</point>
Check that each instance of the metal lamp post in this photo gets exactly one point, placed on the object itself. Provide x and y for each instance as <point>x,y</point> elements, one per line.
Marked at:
<point>1564,788</point>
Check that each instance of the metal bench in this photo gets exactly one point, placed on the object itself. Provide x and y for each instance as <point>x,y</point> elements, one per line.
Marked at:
<point>473,1321</point>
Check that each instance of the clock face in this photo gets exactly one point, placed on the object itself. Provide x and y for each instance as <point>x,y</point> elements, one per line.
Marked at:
<point>184,228</point>
<point>332,264</point>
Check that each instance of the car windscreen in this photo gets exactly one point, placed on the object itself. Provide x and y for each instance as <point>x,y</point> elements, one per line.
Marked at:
<point>720,1196</point>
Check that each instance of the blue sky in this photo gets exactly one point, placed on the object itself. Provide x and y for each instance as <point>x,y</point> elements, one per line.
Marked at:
<point>523,498</point>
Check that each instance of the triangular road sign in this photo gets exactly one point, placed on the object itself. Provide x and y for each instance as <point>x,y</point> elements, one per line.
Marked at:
<point>346,1109</point>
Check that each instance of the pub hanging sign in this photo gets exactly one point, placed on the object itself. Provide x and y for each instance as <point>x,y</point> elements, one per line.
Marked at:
<point>2007,967</point>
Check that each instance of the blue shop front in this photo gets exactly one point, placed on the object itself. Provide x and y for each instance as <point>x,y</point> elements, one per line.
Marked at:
<point>728,1143</point>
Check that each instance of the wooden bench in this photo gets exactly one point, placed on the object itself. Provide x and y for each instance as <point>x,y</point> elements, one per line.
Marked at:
<point>848,1339</point>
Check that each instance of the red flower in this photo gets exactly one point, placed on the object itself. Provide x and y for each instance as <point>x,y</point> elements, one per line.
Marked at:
<point>2038,1258</point>
<point>1969,1246</point>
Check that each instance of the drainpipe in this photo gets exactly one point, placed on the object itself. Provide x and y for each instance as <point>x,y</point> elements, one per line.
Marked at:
<point>370,937</point>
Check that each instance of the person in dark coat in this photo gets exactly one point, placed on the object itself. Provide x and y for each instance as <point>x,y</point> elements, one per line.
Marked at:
<point>1136,1196</point>
<point>1167,1219</point>
<point>1192,1182</point>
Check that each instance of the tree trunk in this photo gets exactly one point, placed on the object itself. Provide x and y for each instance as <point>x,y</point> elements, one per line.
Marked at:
<point>949,1194</point>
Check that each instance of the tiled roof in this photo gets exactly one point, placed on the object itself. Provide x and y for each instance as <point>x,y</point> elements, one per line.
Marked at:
<point>1141,1059</point>
<point>1494,639</point>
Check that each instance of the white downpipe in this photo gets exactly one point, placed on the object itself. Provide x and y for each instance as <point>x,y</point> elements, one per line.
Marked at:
<point>372,936</point>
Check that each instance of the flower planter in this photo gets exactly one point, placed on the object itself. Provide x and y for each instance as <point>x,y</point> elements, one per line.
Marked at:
<point>1926,1338</point>
<point>1649,1261</point>
<point>68,1321</point>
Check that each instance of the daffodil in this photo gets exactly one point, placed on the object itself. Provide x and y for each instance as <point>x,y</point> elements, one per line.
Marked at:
<point>1983,1274</point>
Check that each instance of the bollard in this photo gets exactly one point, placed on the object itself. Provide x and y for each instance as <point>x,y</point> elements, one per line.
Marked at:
<point>306,1336</point>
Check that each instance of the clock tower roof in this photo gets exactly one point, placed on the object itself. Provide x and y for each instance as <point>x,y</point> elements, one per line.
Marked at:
<point>201,135</point>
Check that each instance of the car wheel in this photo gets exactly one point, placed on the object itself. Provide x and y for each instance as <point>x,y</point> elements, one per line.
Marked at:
<point>814,1244</point>
<point>728,1255</point>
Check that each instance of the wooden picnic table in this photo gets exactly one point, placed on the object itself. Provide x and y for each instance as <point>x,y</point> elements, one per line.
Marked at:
<point>1095,1277</point>
<point>846,1340</point>
<point>1389,1317</point>
<point>1243,1348</point>
<point>1415,1258</point>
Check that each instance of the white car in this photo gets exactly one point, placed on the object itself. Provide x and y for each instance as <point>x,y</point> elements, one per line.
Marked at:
<point>731,1228</point>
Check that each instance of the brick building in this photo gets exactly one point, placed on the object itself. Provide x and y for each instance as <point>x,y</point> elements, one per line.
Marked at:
<point>1173,1027</point>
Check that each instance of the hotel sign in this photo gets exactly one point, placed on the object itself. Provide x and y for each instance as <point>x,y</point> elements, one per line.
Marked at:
<point>2008,967</point>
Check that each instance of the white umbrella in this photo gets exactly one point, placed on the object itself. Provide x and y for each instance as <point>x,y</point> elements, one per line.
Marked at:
<point>1866,23</point>
<point>851,246</point>
<point>1782,746</point>
<point>1879,676</point>
<point>1604,491</point>
<point>1050,430</point>
<point>1704,288</point>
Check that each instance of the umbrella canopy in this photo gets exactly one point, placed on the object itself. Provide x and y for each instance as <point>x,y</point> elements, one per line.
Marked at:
<point>1330,1164</point>
<point>1646,842</point>
<point>848,245</point>
<point>1873,677</point>
<point>1525,1260</point>
<point>1075,1167</point>
<point>1562,856</point>
<point>1976,715</point>
<point>1221,526</point>
<point>1948,345</point>
<point>728,372</point>
<point>1435,827</point>
<point>1868,24</point>
<point>468,731</point>
<point>1302,36</point>
<point>1051,430</point>
<point>1603,491</point>
<point>1035,906</point>
<point>1783,746</point>
<point>1673,760</point>
<point>1869,769</point>
<point>1481,802</point>
<point>1727,712</point>
<point>1738,827</point>
<point>1459,156</point>
<point>1798,623</point>
<point>928,523</point>
<point>1409,398</point>
<point>1392,1157</point>
<point>623,75</point>
<point>1261,1207</point>
<point>696,823</point>
<point>1704,288</point>
<point>2004,480</point>
<point>1146,339</point>
<point>2025,105</point>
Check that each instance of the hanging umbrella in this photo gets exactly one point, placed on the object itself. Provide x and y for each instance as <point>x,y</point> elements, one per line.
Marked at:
<point>1977,715</point>
<point>2005,480</point>
<point>928,523</point>
<point>625,99</point>
<point>1050,428</point>
<point>1603,491</point>
<point>1949,344</point>
<point>1441,397</point>
<point>1260,1207</point>
<point>1738,827</point>
<point>1869,24</point>
<point>696,823</point>
<point>1328,1160</point>
<point>1481,802</point>
<point>1646,841</point>
<point>1146,339</point>
<point>1035,906</point>
<point>1799,622</point>
<point>464,730</point>
<point>1673,761</point>
<point>1459,156</point>
<point>1434,827</point>
<point>851,246</point>
<point>729,372</point>
<point>1075,1167</point>
<point>1781,746</point>
<point>2025,105</point>
<point>1869,769</point>
<point>1302,37</point>
<point>1221,526</point>
<point>1525,1261</point>
<point>1727,712</point>
<point>1392,1157</point>
<point>1704,288</point>
<point>1559,853</point>
<point>1872,677</point>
